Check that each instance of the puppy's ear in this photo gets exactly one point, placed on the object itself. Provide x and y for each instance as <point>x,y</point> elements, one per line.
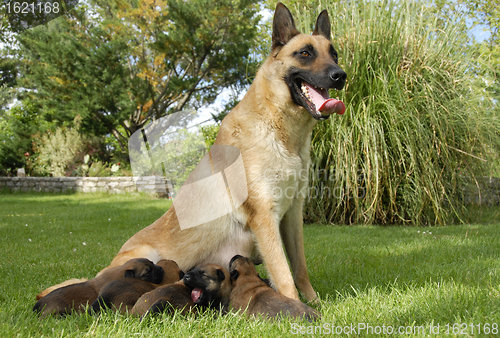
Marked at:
<point>233,259</point>
<point>220,275</point>
<point>283,26</point>
<point>129,274</point>
<point>322,25</point>
<point>234,275</point>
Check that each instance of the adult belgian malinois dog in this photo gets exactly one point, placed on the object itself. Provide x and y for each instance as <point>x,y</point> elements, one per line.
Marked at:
<point>271,127</point>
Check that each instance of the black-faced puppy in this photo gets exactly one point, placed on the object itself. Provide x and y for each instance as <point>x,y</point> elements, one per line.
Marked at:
<point>122,294</point>
<point>251,293</point>
<point>75,297</point>
<point>210,284</point>
<point>207,285</point>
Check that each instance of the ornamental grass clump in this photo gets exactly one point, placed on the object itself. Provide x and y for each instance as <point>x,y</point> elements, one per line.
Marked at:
<point>415,130</point>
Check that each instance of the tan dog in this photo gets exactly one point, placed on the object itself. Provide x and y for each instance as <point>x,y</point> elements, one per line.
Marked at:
<point>251,294</point>
<point>271,129</point>
<point>75,297</point>
<point>207,285</point>
<point>122,294</point>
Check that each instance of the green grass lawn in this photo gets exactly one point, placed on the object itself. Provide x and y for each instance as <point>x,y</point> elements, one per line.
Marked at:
<point>381,278</point>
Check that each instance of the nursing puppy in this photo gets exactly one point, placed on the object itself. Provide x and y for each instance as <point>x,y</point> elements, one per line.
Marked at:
<point>207,285</point>
<point>251,293</point>
<point>75,297</point>
<point>122,294</point>
<point>166,298</point>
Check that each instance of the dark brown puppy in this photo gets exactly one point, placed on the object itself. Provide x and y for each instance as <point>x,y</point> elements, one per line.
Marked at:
<point>122,294</point>
<point>166,298</point>
<point>251,293</point>
<point>76,296</point>
<point>207,285</point>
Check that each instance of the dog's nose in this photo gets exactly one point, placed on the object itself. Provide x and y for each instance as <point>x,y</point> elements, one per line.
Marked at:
<point>187,278</point>
<point>338,77</point>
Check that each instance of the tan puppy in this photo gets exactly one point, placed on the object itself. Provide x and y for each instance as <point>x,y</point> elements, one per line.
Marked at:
<point>251,294</point>
<point>122,294</point>
<point>271,130</point>
<point>75,297</point>
<point>207,285</point>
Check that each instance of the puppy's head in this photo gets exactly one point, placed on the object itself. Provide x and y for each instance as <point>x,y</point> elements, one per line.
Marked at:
<point>210,284</point>
<point>172,272</point>
<point>241,266</point>
<point>144,269</point>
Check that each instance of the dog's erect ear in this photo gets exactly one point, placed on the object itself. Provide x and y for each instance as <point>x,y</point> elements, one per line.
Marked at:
<point>283,26</point>
<point>322,25</point>
<point>129,274</point>
<point>234,275</point>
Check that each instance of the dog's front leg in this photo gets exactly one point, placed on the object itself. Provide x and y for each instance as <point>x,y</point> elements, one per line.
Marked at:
<point>291,229</point>
<point>265,227</point>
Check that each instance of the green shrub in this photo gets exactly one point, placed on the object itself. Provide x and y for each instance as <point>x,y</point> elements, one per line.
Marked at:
<point>99,169</point>
<point>210,134</point>
<point>413,129</point>
<point>60,150</point>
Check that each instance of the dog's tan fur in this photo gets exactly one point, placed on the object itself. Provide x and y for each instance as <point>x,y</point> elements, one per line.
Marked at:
<point>251,294</point>
<point>273,134</point>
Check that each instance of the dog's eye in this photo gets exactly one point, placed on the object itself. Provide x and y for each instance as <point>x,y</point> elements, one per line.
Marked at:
<point>304,53</point>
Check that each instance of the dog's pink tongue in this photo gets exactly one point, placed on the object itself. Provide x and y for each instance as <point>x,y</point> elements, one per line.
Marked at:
<point>196,294</point>
<point>323,102</point>
<point>331,106</point>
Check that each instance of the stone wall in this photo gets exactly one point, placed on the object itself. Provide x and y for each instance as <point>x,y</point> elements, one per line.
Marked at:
<point>150,184</point>
<point>485,191</point>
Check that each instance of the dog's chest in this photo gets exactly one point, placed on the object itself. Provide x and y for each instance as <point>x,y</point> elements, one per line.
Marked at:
<point>285,174</point>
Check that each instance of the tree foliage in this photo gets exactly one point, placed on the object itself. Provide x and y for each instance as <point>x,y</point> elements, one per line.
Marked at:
<point>20,131</point>
<point>122,63</point>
